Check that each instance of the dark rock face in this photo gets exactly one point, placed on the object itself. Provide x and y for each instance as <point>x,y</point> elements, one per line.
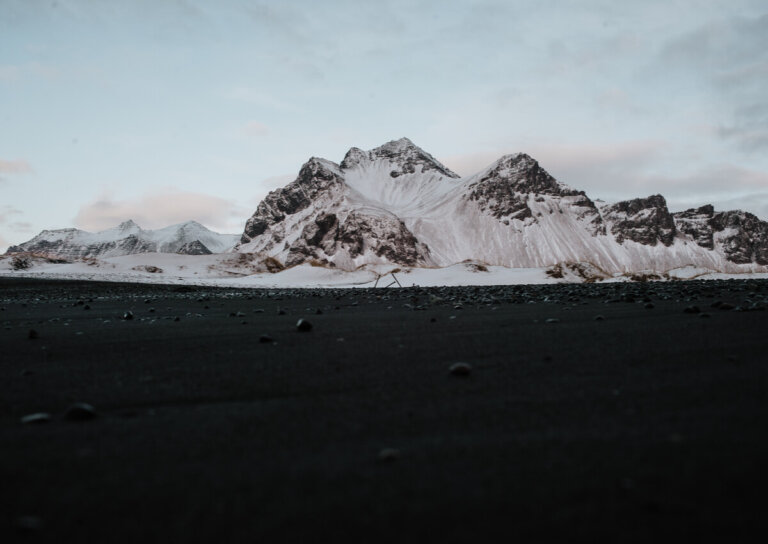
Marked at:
<point>742,236</point>
<point>316,177</point>
<point>504,191</point>
<point>642,220</point>
<point>195,247</point>
<point>697,223</point>
<point>386,236</point>
<point>403,153</point>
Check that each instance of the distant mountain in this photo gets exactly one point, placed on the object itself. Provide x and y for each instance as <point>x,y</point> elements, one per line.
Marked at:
<point>398,204</point>
<point>128,238</point>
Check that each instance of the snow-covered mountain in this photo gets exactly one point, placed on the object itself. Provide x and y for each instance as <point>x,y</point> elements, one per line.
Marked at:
<point>190,238</point>
<point>398,204</point>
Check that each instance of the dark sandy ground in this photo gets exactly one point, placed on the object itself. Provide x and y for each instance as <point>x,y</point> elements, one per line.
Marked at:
<point>649,423</point>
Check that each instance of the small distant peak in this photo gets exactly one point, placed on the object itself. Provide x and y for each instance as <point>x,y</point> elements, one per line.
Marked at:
<point>191,224</point>
<point>128,225</point>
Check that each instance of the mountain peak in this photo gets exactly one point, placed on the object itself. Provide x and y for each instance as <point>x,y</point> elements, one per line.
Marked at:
<point>403,154</point>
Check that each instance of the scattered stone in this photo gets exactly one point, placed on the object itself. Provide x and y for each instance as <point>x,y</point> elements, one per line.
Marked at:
<point>552,320</point>
<point>33,335</point>
<point>177,318</point>
<point>599,318</point>
<point>87,307</point>
<point>266,339</point>
<point>705,315</point>
<point>302,325</point>
<point>649,306</point>
<point>127,316</point>
<point>692,310</point>
<point>39,417</point>
<point>387,455</point>
<point>80,411</point>
<point>460,369</point>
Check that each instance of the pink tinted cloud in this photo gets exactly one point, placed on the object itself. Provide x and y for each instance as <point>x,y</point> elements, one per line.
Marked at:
<point>567,158</point>
<point>6,212</point>
<point>14,167</point>
<point>163,208</point>
<point>255,128</point>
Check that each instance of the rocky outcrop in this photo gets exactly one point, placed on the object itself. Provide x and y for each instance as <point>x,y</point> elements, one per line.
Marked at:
<point>741,236</point>
<point>317,177</point>
<point>642,220</point>
<point>506,189</point>
<point>384,236</point>
<point>195,247</point>
<point>697,223</point>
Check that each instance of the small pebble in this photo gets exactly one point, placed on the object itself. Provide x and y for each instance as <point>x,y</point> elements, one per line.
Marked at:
<point>599,318</point>
<point>40,417</point>
<point>80,411</point>
<point>128,315</point>
<point>460,369</point>
<point>266,339</point>
<point>32,335</point>
<point>387,455</point>
<point>692,310</point>
<point>302,325</point>
<point>552,320</point>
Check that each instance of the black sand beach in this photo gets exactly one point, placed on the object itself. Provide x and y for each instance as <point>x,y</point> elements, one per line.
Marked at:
<point>647,422</point>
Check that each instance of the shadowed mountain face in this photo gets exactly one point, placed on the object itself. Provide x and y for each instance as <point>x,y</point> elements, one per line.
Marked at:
<point>398,204</point>
<point>190,238</point>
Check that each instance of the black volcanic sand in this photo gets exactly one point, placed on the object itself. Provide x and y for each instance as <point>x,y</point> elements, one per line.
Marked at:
<point>649,423</point>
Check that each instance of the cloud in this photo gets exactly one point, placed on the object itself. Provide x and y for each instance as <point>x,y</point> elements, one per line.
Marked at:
<point>256,96</point>
<point>20,226</point>
<point>6,212</point>
<point>730,56</point>
<point>14,167</point>
<point>162,208</point>
<point>257,129</point>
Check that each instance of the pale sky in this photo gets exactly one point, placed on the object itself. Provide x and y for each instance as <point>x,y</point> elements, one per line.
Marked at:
<point>169,110</point>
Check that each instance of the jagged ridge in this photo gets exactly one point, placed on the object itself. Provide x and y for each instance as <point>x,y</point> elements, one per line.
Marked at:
<point>397,203</point>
